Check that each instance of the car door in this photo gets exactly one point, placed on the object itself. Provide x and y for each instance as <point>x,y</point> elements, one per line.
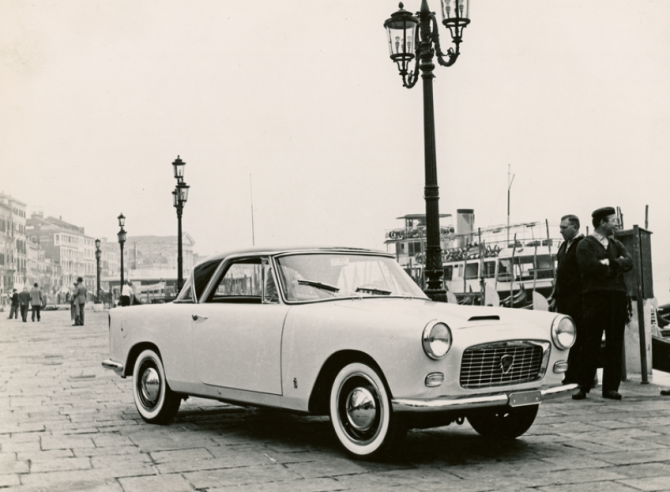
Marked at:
<point>237,329</point>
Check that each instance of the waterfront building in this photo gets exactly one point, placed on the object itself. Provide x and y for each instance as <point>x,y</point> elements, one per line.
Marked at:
<point>158,253</point>
<point>13,251</point>
<point>66,245</point>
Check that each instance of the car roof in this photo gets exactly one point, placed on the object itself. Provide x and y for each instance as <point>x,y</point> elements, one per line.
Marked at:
<point>292,249</point>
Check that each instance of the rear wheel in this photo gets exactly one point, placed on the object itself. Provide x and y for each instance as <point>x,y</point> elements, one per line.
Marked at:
<point>155,401</point>
<point>361,413</point>
<point>506,423</point>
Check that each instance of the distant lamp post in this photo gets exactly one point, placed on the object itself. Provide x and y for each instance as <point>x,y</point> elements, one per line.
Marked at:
<point>98,255</point>
<point>122,239</point>
<point>416,37</point>
<point>179,197</point>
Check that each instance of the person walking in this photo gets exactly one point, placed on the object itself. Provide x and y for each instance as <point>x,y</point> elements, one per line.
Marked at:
<point>74,307</point>
<point>24,302</point>
<point>14,308</point>
<point>603,260</point>
<point>126,294</point>
<point>80,299</point>
<point>35,302</point>
<point>567,294</point>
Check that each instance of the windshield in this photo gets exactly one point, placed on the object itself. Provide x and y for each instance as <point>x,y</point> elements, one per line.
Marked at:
<point>312,277</point>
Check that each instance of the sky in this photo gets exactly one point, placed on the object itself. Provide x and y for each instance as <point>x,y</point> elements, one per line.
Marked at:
<point>295,109</point>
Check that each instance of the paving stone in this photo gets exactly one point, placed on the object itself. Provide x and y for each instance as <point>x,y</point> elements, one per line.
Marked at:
<point>66,443</point>
<point>645,470</point>
<point>312,485</point>
<point>181,455</point>
<point>7,480</point>
<point>165,483</point>
<point>240,476</point>
<point>59,464</point>
<point>589,487</point>
<point>649,483</point>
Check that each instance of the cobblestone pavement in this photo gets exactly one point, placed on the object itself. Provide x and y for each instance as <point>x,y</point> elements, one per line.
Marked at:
<point>66,424</point>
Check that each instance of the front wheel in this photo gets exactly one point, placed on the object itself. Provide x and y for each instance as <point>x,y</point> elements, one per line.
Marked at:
<point>155,401</point>
<point>507,423</point>
<point>361,413</point>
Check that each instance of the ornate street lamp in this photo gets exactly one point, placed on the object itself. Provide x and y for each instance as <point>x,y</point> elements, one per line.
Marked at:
<point>122,239</point>
<point>416,37</point>
<point>179,197</point>
<point>98,255</point>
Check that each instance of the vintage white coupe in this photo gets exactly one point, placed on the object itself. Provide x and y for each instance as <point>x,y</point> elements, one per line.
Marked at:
<point>343,332</point>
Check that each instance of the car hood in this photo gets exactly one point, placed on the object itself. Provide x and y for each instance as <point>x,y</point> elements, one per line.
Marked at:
<point>455,315</point>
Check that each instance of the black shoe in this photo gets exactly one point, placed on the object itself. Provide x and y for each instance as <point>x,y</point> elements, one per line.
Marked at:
<point>580,395</point>
<point>665,392</point>
<point>612,395</point>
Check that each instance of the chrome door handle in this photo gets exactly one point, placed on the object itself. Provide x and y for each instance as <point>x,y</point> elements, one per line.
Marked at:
<point>196,317</point>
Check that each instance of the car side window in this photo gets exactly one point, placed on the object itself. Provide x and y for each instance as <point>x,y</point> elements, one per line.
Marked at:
<point>249,280</point>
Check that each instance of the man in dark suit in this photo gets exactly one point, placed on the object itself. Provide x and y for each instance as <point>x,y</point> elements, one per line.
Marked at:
<point>567,293</point>
<point>603,261</point>
<point>80,299</point>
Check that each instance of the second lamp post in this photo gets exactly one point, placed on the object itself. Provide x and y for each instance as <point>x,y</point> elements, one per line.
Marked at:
<point>417,38</point>
<point>179,196</point>
<point>122,239</point>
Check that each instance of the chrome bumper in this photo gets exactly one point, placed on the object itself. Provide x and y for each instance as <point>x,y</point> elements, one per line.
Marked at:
<point>509,398</point>
<point>117,367</point>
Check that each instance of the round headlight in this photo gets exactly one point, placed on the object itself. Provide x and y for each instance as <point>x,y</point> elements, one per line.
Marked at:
<point>436,340</point>
<point>563,332</point>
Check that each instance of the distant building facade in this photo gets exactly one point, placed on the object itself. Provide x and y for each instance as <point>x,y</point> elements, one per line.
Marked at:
<point>13,248</point>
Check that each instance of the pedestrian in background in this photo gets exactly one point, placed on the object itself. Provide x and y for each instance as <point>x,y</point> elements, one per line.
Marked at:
<point>126,294</point>
<point>35,302</point>
<point>14,308</point>
<point>567,293</point>
<point>74,307</point>
<point>24,302</point>
<point>603,261</point>
<point>80,299</point>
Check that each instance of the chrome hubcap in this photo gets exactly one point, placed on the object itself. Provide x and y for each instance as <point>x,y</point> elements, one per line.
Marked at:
<point>150,385</point>
<point>361,409</point>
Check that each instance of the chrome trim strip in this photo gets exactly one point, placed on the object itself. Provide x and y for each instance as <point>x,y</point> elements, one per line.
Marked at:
<point>469,402</point>
<point>558,390</point>
<point>117,367</point>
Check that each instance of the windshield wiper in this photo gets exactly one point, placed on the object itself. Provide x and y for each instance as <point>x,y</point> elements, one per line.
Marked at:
<point>374,291</point>
<point>318,285</point>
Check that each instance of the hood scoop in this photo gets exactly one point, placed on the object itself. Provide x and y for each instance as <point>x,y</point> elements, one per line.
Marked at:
<point>489,317</point>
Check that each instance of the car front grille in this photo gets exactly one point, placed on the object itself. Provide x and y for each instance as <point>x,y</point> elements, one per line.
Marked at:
<point>503,363</point>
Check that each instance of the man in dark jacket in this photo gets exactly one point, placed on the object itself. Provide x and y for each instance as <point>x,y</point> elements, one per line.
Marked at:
<point>14,309</point>
<point>80,299</point>
<point>603,261</point>
<point>24,302</point>
<point>567,294</point>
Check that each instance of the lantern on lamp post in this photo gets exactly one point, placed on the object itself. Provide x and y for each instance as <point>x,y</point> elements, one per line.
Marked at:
<point>417,38</point>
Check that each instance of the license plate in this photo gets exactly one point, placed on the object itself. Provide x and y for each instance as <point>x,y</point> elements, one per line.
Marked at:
<point>524,398</point>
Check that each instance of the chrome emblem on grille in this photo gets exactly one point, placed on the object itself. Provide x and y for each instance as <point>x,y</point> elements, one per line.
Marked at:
<point>506,362</point>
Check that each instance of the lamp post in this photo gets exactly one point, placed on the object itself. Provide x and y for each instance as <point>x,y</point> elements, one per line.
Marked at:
<point>98,254</point>
<point>179,197</point>
<point>122,239</point>
<point>417,38</point>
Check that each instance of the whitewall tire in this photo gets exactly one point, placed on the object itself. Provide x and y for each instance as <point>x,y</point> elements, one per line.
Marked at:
<point>361,413</point>
<point>155,401</point>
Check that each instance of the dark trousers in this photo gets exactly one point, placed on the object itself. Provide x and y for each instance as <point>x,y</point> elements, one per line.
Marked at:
<point>24,312</point>
<point>80,318</point>
<point>14,311</point>
<point>603,312</point>
<point>36,309</point>
<point>125,301</point>
<point>572,306</point>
